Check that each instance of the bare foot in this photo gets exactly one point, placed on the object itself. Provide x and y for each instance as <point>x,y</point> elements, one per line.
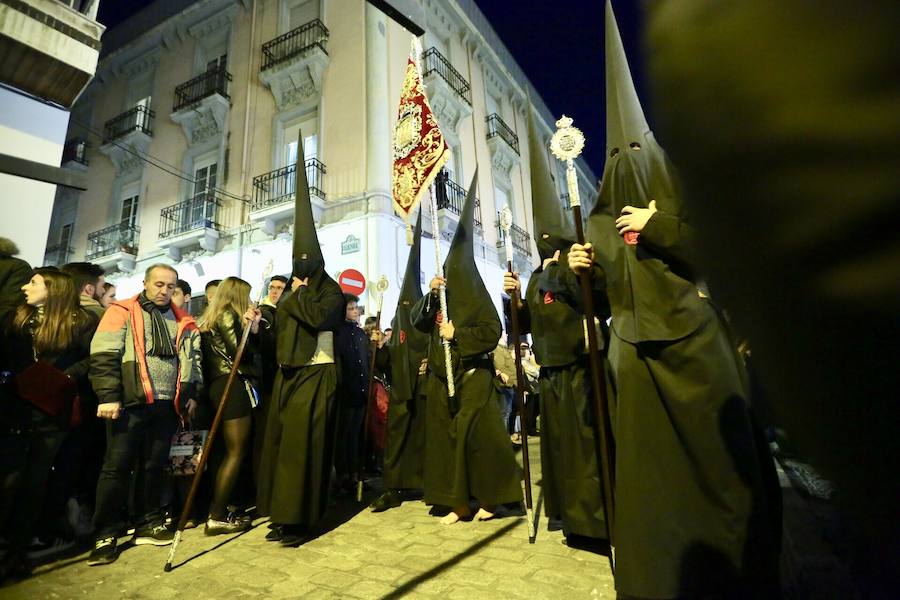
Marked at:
<point>455,515</point>
<point>483,514</point>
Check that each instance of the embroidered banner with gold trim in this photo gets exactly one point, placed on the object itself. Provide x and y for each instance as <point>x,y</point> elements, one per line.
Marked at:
<point>419,147</point>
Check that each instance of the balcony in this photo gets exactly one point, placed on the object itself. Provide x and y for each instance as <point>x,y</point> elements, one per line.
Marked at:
<point>49,50</point>
<point>450,198</point>
<point>74,155</point>
<point>202,104</point>
<point>190,223</point>
<point>273,195</point>
<point>503,143</point>
<point>57,255</point>
<point>127,136</point>
<point>449,94</point>
<point>115,246</point>
<point>521,243</point>
<point>293,64</point>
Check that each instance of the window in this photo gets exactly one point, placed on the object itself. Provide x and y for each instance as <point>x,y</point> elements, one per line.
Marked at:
<point>296,13</point>
<point>502,198</point>
<point>130,211</point>
<point>218,63</point>
<point>65,238</point>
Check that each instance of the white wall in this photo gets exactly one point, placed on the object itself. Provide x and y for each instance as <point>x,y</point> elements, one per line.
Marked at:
<point>34,131</point>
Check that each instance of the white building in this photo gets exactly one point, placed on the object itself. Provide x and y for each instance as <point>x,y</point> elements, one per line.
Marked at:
<point>190,137</point>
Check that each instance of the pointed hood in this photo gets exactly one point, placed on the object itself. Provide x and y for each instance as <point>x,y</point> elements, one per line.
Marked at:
<point>553,229</point>
<point>637,169</point>
<point>307,254</point>
<point>408,345</point>
<point>468,300</point>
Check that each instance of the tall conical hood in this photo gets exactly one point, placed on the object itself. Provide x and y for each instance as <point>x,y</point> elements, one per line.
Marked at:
<point>408,345</point>
<point>307,254</point>
<point>553,228</point>
<point>637,169</point>
<point>467,297</point>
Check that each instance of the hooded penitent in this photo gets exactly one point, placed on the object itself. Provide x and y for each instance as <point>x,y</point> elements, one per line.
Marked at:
<point>468,300</point>
<point>408,345</point>
<point>651,299</point>
<point>553,309</point>
<point>308,263</point>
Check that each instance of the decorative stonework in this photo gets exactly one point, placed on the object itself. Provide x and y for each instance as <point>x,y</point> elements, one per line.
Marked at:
<point>218,22</point>
<point>503,158</point>
<point>146,62</point>
<point>298,80</point>
<point>204,120</point>
<point>447,106</point>
<point>125,152</point>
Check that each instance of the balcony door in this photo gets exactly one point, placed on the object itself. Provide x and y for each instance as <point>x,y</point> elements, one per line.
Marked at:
<point>309,126</point>
<point>200,211</point>
<point>297,13</point>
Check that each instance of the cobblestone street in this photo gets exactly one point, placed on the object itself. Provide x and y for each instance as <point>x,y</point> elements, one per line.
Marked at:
<point>403,552</point>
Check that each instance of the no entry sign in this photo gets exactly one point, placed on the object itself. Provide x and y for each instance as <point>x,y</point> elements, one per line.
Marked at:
<point>352,282</point>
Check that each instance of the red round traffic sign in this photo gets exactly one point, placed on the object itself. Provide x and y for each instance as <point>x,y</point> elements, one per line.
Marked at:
<point>352,282</point>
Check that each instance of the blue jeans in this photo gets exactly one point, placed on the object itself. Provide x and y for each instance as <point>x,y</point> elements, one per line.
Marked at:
<point>142,435</point>
<point>507,396</point>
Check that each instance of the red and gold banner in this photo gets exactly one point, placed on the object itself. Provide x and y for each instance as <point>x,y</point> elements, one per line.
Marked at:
<point>419,147</point>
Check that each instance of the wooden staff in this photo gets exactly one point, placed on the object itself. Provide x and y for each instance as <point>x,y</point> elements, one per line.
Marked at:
<point>381,286</point>
<point>566,145</point>
<point>204,453</point>
<point>506,224</point>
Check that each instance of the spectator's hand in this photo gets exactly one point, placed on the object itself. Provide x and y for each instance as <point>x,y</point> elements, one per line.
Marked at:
<point>447,330</point>
<point>253,315</point>
<point>191,407</point>
<point>376,336</point>
<point>437,282</point>
<point>551,260</point>
<point>109,410</point>
<point>581,258</point>
<point>634,219</point>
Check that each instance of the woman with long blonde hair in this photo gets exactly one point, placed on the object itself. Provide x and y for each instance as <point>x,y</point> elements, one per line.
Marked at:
<point>45,354</point>
<point>221,328</point>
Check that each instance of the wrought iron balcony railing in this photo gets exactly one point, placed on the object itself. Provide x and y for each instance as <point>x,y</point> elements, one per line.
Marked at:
<point>213,81</point>
<point>521,240</point>
<point>496,127</point>
<point>452,196</point>
<point>278,186</point>
<point>75,150</point>
<point>435,62</point>
<point>294,43</point>
<point>57,254</point>
<point>200,212</point>
<point>139,118</point>
<point>122,237</point>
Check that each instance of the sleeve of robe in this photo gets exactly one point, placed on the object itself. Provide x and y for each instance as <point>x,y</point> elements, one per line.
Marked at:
<point>669,236</point>
<point>478,338</point>
<point>321,312</point>
<point>424,312</point>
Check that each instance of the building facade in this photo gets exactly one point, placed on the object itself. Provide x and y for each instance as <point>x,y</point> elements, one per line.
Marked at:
<point>189,138</point>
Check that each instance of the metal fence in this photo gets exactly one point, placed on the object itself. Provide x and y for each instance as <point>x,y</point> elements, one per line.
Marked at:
<point>435,62</point>
<point>294,42</point>
<point>213,81</point>
<point>498,127</point>
<point>139,118</point>
<point>278,186</point>
<point>200,212</point>
<point>121,237</point>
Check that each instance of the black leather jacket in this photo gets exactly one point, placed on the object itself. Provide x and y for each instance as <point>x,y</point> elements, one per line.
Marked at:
<point>220,345</point>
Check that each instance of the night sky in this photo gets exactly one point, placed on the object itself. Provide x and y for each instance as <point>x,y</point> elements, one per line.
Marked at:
<point>558,44</point>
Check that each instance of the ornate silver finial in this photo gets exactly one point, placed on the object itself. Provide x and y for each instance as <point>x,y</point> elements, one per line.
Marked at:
<point>382,284</point>
<point>506,219</point>
<point>568,141</point>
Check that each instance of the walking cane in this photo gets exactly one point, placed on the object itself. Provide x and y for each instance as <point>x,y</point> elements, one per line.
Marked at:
<point>381,285</point>
<point>566,144</point>
<point>505,225</point>
<point>204,453</point>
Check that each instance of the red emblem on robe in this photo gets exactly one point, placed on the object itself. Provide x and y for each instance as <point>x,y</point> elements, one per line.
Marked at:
<point>402,336</point>
<point>548,298</point>
<point>631,238</point>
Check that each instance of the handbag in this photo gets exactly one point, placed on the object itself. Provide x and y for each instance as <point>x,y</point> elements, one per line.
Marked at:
<point>50,390</point>
<point>186,449</point>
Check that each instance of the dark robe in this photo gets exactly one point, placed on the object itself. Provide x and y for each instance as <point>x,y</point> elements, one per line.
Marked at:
<point>691,503</point>
<point>299,446</point>
<point>569,451</point>
<point>404,453</point>
<point>468,453</point>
